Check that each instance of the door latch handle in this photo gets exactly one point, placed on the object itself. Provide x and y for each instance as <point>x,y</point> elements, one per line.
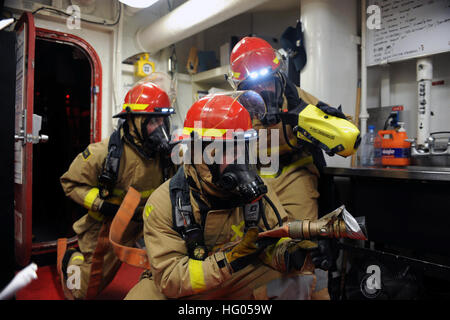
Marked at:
<point>35,137</point>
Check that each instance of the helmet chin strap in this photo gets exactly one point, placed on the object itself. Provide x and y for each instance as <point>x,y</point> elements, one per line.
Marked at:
<point>284,84</point>
<point>290,92</point>
<point>136,131</point>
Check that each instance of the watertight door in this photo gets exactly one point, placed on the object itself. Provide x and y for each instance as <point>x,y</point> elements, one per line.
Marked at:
<point>23,148</point>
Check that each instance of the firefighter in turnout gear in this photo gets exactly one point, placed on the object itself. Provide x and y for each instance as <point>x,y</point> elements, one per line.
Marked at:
<point>255,65</point>
<point>201,227</point>
<point>136,155</point>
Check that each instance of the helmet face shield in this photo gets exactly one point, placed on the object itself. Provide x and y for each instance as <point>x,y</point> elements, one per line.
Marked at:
<point>252,102</point>
<point>223,116</point>
<point>271,89</point>
<point>163,81</point>
<point>261,85</point>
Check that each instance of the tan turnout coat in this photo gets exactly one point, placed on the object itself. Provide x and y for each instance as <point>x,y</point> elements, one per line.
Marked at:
<point>80,183</point>
<point>174,275</point>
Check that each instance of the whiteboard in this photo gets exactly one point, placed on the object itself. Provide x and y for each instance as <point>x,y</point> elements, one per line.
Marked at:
<point>408,29</point>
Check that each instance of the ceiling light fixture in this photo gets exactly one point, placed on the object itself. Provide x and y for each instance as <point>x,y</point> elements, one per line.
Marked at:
<point>139,3</point>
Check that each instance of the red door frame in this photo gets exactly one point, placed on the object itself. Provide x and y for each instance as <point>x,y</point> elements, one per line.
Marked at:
<point>96,78</point>
<point>96,104</point>
<point>23,192</point>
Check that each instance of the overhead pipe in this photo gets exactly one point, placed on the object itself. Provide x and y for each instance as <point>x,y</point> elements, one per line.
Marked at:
<point>385,87</point>
<point>117,62</point>
<point>131,11</point>
<point>188,19</point>
<point>364,115</point>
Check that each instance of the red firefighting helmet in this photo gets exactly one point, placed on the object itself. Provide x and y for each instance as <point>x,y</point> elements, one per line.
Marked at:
<point>146,98</point>
<point>253,58</point>
<point>224,116</point>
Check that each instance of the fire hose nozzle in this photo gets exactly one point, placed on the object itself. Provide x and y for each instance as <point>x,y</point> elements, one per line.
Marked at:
<point>337,224</point>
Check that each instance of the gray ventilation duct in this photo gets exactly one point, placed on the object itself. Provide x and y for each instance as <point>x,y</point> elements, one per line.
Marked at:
<point>188,19</point>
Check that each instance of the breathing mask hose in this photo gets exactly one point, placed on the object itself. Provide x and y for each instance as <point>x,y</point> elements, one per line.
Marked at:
<point>287,139</point>
<point>165,163</point>
<point>277,213</point>
<point>263,216</point>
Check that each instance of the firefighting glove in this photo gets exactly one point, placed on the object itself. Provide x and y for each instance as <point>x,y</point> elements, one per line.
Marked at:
<point>245,252</point>
<point>322,257</point>
<point>109,209</point>
<point>295,255</point>
<point>337,112</point>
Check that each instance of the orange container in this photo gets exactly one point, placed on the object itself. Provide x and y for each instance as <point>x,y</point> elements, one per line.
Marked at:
<point>395,151</point>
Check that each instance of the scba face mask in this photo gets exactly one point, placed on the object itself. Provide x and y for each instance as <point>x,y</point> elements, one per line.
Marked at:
<point>243,181</point>
<point>156,135</point>
<point>233,169</point>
